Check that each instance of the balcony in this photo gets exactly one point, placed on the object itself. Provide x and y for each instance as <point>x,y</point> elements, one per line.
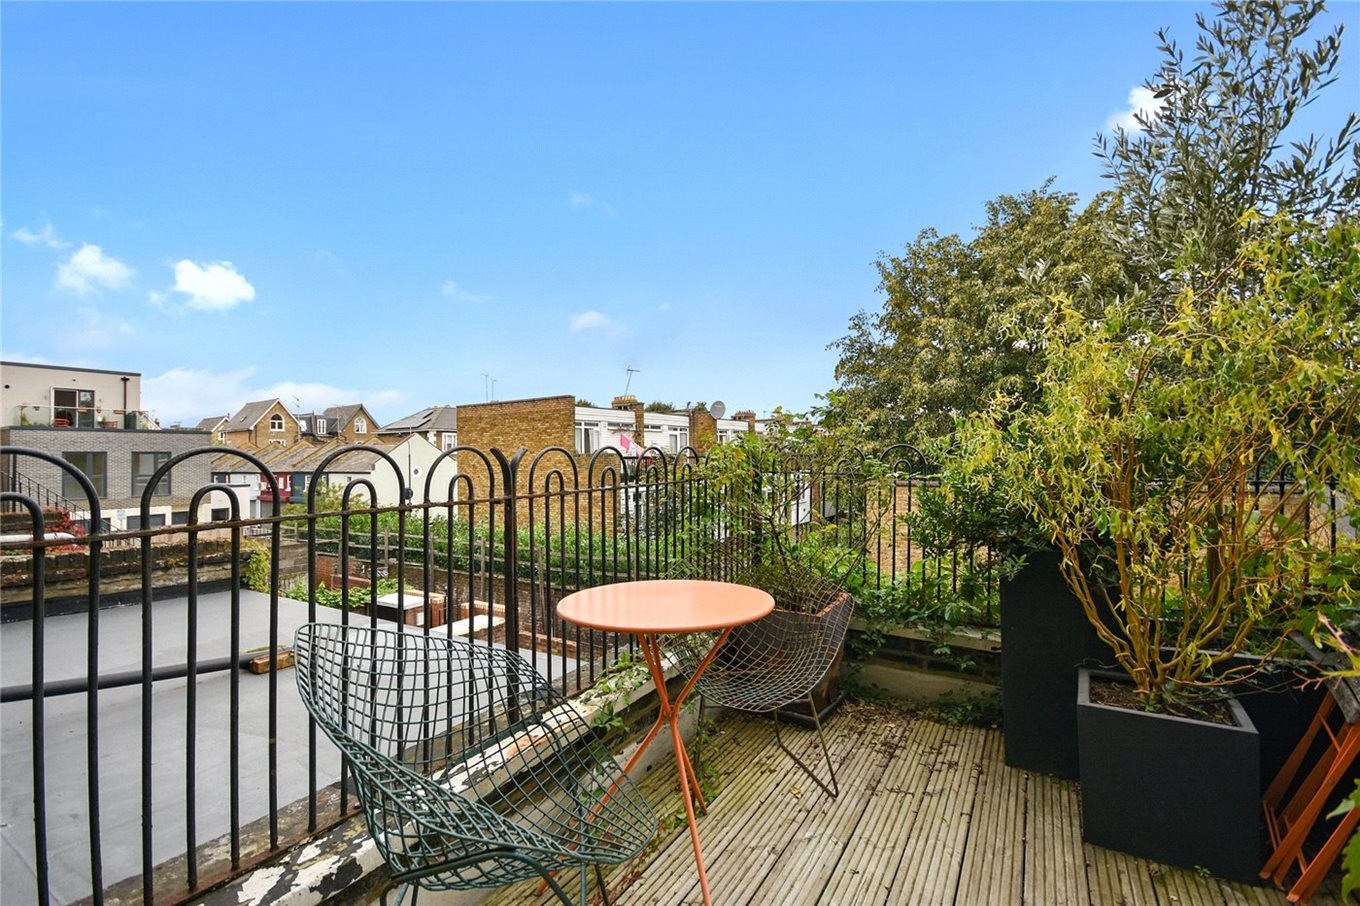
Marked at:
<point>89,418</point>
<point>189,687</point>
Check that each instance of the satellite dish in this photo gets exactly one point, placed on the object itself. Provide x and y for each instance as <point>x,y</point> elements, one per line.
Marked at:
<point>718,409</point>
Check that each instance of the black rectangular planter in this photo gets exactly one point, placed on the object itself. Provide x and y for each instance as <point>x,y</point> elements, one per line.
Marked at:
<point>1045,637</point>
<point>1180,791</point>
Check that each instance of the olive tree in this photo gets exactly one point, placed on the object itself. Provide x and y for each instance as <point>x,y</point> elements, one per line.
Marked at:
<point>1220,144</point>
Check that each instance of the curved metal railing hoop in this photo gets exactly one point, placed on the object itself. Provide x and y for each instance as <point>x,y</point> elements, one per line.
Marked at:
<point>647,465</point>
<point>905,458</point>
<point>451,453</point>
<point>321,469</point>
<point>91,495</point>
<point>620,467</point>
<point>551,451</point>
<point>686,462</point>
<point>196,501</point>
<point>173,461</point>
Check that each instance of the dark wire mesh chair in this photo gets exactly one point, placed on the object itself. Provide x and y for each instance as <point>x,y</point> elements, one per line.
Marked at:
<point>471,771</point>
<point>778,660</point>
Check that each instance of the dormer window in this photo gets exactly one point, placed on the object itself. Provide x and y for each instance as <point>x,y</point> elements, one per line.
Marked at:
<point>320,426</point>
<point>360,425</point>
<point>302,423</point>
<point>275,423</point>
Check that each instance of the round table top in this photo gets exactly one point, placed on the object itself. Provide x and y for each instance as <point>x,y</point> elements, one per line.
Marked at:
<point>665,606</point>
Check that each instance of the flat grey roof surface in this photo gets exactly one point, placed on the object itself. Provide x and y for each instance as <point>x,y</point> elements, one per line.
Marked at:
<point>120,740</point>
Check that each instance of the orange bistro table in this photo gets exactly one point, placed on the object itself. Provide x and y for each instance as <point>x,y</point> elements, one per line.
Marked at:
<point>658,607</point>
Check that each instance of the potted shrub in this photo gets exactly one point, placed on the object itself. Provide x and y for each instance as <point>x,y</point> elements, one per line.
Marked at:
<point>789,512</point>
<point>1184,469</point>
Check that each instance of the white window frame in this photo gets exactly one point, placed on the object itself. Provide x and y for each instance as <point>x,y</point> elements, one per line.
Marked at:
<point>587,437</point>
<point>275,423</point>
<point>360,425</point>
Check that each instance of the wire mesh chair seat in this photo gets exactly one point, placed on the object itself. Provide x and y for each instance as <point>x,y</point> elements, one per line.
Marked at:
<point>471,770</point>
<point>779,659</point>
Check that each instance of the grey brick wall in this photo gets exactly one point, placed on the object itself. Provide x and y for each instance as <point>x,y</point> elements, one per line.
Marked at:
<point>118,446</point>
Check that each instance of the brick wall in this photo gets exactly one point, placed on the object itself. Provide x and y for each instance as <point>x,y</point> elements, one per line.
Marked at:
<point>118,447</point>
<point>534,424</point>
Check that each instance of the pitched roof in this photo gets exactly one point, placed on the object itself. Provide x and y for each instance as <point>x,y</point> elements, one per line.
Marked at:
<point>211,422</point>
<point>356,461</point>
<point>249,415</point>
<point>437,418</point>
<point>306,455</point>
<point>341,416</point>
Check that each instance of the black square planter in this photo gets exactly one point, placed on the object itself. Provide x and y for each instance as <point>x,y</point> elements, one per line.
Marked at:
<point>1180,791</point>
<point>1045,637</point>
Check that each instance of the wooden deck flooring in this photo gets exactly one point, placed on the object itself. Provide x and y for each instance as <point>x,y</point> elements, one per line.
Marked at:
<point>927,814</point>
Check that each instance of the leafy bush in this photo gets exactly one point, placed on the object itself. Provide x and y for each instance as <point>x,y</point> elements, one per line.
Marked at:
<point>334,597</point>
<point>255,572</point>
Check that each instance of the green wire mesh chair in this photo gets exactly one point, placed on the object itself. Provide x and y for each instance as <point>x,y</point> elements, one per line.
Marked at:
<point>471,771</point>
<point>777,660</point>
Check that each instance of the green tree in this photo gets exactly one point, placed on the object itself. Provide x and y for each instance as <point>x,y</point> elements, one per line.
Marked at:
<point>963,320</point>
<point>1220,145</point>
<point>1190,467</point>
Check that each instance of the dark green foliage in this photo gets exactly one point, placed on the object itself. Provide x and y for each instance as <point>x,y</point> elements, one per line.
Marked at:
<point>963,320</point>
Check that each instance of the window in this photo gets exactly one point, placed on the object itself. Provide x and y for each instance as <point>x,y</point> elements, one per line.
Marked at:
<point>302,423</point>
<point>360,425</point>
<point>179,518</point>
<point>144,466</point>
<point>221,514</point>
<point>321,427</point>
<point>276,422</point>
<point>450,440</point>
<point>154,521</point>
<point>587,438</point>
<point>72,408</point>
<point>96,468</point>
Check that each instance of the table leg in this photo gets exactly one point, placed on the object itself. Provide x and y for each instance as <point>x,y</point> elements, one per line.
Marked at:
<point>669,713</point>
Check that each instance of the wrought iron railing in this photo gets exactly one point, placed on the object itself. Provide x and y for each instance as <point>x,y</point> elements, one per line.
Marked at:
<point>150,765</point>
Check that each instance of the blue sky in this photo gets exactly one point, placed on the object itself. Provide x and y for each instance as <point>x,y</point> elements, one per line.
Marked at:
<point>384,203</point>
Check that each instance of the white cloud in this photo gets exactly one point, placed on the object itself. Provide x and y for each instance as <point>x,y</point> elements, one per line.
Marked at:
<point>213,286</point>
<point>593,320</point>
<point>1140,101</point>
<point>89,268</point>
<point>582,200</point>
<point>189,394</point>
<point>453,291</point>
<point>46,237</point>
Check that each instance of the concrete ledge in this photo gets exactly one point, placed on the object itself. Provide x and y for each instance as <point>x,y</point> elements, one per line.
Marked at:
<point>975,638</point>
